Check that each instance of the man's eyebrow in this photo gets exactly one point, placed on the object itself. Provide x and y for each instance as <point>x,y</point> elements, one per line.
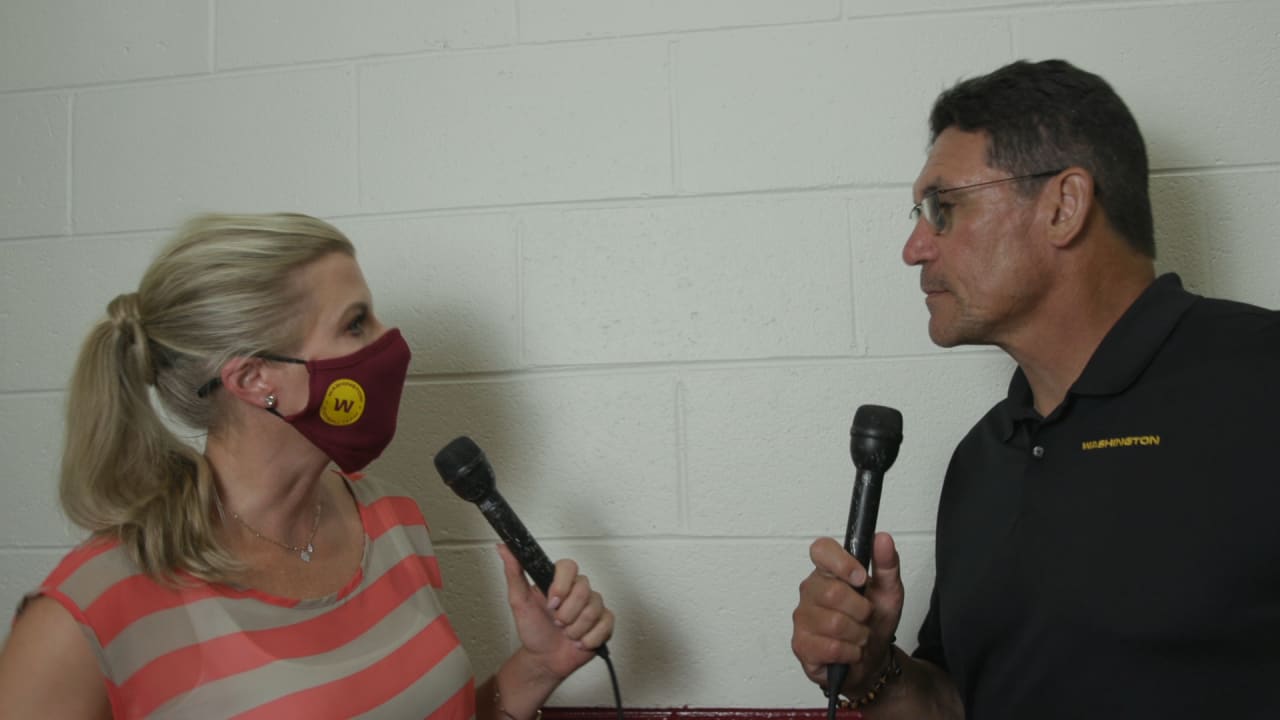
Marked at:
<point>933,186</point>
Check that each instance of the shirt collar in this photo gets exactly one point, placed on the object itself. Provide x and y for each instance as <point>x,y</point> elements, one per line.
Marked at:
<point>1125,351</point>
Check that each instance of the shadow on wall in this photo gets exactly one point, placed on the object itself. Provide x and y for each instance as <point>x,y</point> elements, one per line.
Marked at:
<point>1185,234</point>
<point>499,415</point>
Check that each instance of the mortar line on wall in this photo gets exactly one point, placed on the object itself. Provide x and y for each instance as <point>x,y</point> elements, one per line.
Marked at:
<point>637,201</point>
<point>854,346</point>
<point>356,148</point>
<point>107,85</point>
<point>33,393</point>
<point>63,235</point>
<point>828,190</point>
<point>832,191</point>
<point>615,369</point>
<point>673,115</point>
<point>682,457</point>
<point>69,222</point>
<point>566,371</point>
<point>682,32</point>
<point>819,191</point>
<point>664,538</point>
<point>633,201</point>
<point>523,351</point>
<point>1192,170</point>
<point>211,51</point>
<point>835,191</point>
<point>1028,8</point>
<point>127,234</point>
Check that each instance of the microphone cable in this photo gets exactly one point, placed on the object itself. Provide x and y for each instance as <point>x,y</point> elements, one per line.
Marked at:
<point>613,679</point>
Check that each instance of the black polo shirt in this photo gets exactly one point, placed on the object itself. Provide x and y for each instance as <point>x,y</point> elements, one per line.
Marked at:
<point>1120,558</point>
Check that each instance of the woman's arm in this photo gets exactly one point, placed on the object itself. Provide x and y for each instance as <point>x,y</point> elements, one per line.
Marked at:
<point>47,669</point>
<point>558,635</point>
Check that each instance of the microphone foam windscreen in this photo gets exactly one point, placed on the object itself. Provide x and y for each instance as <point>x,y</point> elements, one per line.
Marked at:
<point>463,467</point>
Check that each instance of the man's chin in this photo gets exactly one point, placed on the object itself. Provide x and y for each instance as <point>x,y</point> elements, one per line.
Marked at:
<point>945,341</point>
<point>943,335</point>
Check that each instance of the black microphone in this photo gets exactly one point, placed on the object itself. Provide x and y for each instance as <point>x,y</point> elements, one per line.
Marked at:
<point>873,443</point>
<point>466,470</point>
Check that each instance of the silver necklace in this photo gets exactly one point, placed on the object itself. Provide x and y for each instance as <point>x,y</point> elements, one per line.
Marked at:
<point>304,552</point>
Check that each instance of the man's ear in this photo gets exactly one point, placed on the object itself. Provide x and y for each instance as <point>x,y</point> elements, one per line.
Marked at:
<point>1071,199</point>
<point>247,379</point>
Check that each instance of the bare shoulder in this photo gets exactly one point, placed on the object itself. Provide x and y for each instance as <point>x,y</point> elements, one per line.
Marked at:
<point>47,668</point>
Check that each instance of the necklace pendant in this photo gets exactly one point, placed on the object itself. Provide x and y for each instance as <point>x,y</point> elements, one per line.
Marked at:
<point>306,553</point>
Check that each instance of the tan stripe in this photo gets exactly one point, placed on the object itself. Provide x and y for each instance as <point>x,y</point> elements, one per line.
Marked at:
<point>98,575</point>
<point>248,690</point>
<point>168,630</point>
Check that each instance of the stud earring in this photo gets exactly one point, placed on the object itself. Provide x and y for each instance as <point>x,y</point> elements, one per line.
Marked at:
<point>271,402</point>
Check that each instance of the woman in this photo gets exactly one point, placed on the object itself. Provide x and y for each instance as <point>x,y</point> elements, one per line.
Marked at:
<point>252,580</point>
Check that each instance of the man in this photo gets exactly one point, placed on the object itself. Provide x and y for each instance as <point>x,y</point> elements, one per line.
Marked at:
<point>1107,543</point>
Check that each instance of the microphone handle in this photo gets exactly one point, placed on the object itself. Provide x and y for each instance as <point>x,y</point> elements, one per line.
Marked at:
<point>865,506</point>
<point>521,544</point>
<point>517,538</point>
<point>858,538</point>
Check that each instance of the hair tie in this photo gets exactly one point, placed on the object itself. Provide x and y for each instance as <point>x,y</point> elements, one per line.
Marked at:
<point>125,312</point>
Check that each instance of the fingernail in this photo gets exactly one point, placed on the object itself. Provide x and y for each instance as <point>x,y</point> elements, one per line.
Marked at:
<point>858,578</point>
<point>553,603</point>
<point>556,622</point>
<point>578,644</point>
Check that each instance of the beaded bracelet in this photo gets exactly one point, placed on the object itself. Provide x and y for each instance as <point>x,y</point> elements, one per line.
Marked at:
<point>892,669</point>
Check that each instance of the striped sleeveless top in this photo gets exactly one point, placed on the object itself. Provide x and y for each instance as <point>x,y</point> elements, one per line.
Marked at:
<point>381,648</point>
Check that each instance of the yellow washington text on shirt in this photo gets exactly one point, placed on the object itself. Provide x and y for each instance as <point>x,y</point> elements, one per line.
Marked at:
<point>1127,441</point>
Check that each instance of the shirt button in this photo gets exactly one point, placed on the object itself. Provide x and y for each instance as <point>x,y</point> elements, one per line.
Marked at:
<point>1038,451</point>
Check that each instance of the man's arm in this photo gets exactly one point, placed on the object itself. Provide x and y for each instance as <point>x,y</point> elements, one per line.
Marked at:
<point>835,624</point>
<point>924,691</point>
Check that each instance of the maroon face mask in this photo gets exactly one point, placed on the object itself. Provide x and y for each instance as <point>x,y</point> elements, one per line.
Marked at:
<point>354,400</point>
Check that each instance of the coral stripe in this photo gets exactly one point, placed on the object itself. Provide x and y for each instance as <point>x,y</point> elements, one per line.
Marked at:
<point>459,707</point>
<point>386,513</point>
<point>173,673</point>
<point>134,598</point>
<point>369,688</point>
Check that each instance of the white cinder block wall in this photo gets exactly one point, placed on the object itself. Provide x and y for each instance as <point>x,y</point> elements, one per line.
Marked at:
<point>647,254</point>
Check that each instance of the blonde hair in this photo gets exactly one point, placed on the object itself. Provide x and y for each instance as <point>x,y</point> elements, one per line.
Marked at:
<point>223,287</point>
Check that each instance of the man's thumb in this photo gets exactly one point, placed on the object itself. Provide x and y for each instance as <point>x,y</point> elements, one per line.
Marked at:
<point>885,590</point>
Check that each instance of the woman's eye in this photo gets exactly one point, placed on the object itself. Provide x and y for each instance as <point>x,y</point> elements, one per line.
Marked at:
<point>357,325</point>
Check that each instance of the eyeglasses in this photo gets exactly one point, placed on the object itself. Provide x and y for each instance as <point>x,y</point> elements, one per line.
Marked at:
<point>936,213</point>
<point>216,382</point>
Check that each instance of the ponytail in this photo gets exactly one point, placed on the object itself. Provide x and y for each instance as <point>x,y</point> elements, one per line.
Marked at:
<point>124,472</point>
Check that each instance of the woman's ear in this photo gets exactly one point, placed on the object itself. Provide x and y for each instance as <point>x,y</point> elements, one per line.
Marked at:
<point>247,378</point>
<point>1071,195</point>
